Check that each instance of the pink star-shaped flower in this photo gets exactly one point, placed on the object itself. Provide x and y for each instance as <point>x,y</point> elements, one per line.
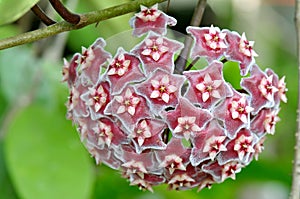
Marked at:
<point>182,180</point>
<point>207,86</point>
<point>91,61</point>
<point>134,163</point>
<point>206,181</point>
<point>129,107</point>
<point>156,52</point>
<point>76,105</point>
<point>265,122</point>
<point>187,119</point>
<point>151,19</point>
<point>148,135</point>
<point>234,112</point>
<point>162,89</point>
<point>241,50</point>
<point>280,85</point>
<point>147,181</point>
<point>209,42</point>
<point>239,149</point>
<point>282,89</point>
<point>107,133</point>
<point>208,143</point>
<point>230,170</point>
<point>105,155</point>
<point>258,147</point>
<point>122,70</point>
<point>97,99</point>
<point>261,88</point>
<point>174,157</point>
<point>221,172</point>
<point>69,70</point>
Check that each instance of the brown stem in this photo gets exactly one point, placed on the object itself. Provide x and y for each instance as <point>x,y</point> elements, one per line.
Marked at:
<point>295,191</point>
<point>192,64</point>
<point>196,20</point>
<point>64,12</point>
<point>40,14</point>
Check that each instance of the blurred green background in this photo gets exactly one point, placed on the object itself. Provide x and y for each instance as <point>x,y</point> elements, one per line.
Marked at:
<point>41,155</point>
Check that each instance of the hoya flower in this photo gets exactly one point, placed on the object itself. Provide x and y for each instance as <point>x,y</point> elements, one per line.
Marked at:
<point>280,85</point>
<point>151,19</point>
<point>69,70</point>
<point>207,86</point>
<point>240,110</point>
<point>187,119</point>
<point>123,70</point>
<point>282,89</point>
<point>108,133</point>
<point>208,42</point>
<point>243,145</point>
<point>240,50</point>
<point>157,51</point>
<point>234,112</point>
<point>259,147</point>
<point>261,88</point>
<point>206,181</point>
<point>174,157</point>
<point>91,61</point>
<point>239,149</point>
<point>147,181</point>
<point>104,155</point>
<point>222,172</point>
<point>270,121</point>
<point>97,98</point>
<point>180,181</point>
<point>148,135</point>
<point>230,170</point>
<point>265,122</point>
<point>161,89</point>
<point>187,130</point>
<point>129,107</point>
<point>208,143</point>
<point>136,164</point>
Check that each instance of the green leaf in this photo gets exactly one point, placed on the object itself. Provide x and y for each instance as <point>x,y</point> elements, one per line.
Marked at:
<point>18,72</point>
<point>231,74</point>
<point>12,10</point>
<point>8,31</point>
<point>45,158</point>
<point>6,188</point>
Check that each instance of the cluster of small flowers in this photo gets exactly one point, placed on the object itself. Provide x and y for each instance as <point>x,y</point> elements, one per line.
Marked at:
<point>136,116</point>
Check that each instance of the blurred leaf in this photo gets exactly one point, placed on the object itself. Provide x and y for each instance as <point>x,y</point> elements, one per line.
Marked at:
<point>51,92</point>
<point>6,188</point>
<point>45,157</point>
<point>231,74</point>
<point>11,10</point>
<point>18,69</point>
<point>8,31</point>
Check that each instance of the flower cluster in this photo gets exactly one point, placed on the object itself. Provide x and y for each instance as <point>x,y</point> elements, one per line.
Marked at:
<point>186,130</point>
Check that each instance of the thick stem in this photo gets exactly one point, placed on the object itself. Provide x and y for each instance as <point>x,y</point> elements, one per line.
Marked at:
<point>64,12</point>
<point>181,61</point>
<point>40,14</point>
<point>86,19</point>
<point>295,191</point>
